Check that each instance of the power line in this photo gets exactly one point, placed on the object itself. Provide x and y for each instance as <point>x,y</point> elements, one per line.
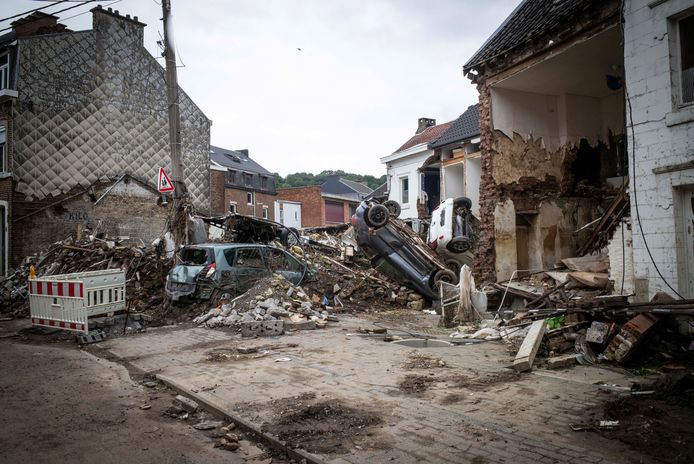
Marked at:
<point>59,11</point>
<point>31,11</point>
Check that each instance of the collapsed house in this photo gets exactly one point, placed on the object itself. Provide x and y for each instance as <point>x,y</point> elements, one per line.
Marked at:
<point>558,156</point>
<point>85,119</point>
<point>551,108</point>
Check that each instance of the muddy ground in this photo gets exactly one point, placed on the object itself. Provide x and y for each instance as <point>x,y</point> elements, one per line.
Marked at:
<point>62,404</point>
<point>659,425</point>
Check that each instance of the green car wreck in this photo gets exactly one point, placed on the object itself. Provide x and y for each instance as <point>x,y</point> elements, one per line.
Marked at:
<point>206,271</point>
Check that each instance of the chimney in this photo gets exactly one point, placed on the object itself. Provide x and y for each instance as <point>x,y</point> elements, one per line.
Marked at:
<point>37,23</point>
<point>424,123</point>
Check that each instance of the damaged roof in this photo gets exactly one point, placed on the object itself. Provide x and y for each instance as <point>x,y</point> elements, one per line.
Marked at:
<point>236,160</point>
<point>531,20</point>
<point>467,126</point>
<point>428,135</point>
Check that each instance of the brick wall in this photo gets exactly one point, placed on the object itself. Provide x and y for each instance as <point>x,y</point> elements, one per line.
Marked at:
<point>663,136</point>
<point>129,209</point>
<point>217,205</point>
<point>255,209</point>
<point>312,207</point>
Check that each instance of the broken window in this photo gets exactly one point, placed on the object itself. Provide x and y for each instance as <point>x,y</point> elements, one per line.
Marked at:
<point>686,55</point>
<point>278,260</point>
<point>404,190</point>
<point>249,257</point>
<point>195,256</point>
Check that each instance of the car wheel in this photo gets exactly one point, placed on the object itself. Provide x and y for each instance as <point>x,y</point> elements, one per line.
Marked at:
<point>462,202</point>
<point>458,245</point>
<point>445,275</point>
<point>454,266</point>
<point>377,216</point>
<point>393,207</point>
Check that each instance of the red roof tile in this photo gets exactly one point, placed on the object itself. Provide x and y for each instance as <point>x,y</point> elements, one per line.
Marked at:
<point>426,136</point>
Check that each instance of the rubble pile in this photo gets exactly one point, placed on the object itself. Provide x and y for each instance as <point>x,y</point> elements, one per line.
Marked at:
<point>270,299</point>
<point>145,270</point>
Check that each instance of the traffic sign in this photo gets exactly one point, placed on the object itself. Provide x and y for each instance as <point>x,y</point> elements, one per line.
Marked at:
<point>164,183</point>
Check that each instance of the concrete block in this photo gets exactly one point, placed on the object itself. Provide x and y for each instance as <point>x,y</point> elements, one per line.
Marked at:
<point>559,362</point>
<point>185,403</point>
<point>301,325</point>
<point>262,328</point>
<point>531,343</point>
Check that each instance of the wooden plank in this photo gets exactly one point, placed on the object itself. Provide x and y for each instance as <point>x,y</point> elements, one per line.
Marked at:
<point>591,279</point>
<point>528,350</point>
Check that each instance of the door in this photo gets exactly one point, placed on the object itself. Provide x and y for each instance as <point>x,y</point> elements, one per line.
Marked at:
<point>688,219</point>
<point>249,267</point>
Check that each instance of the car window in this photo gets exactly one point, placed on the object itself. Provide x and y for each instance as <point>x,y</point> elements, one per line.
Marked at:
<point>195,256</point>
<point>229,256</point>
<point>278,260</point>
<point>249,257</point>
<point>443,216</point>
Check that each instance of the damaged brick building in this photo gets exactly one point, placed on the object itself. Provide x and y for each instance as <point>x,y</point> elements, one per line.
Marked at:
<point>85,125</point>
<point>551,110</point>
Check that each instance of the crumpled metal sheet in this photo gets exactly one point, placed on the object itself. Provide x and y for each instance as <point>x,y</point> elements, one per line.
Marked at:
<point>93,105</point>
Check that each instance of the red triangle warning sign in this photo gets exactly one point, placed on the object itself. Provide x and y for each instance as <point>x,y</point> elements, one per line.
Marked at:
<point>164,183</point>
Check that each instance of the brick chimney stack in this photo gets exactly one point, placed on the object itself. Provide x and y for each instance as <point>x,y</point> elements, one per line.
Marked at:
<point>37,23</point>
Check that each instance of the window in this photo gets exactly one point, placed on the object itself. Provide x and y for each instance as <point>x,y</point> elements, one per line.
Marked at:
<point>265,212</point>
<point>278,260</point>
<point>231,176</point>
<point>3,152</point>
<point>263,182</point>
<point>248,179</point>
<point>249,257</point>
<point>249,198</point>
<point>686,58</point>
<point>404,190</point>
<point>5,71</point>
<point>232,207</point>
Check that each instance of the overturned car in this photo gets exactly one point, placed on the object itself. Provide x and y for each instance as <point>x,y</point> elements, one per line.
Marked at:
<point>206,271</point>
<point>387,240</point>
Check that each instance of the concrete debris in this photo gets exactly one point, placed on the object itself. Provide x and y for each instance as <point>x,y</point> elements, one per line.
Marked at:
<point>183,403</point>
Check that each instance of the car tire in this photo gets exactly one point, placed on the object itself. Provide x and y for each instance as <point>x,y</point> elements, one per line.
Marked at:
<point>458,245</point>
<point>393,208</point>
<point>444,275</point>
<point>454,266</point>
<point>462,202</point>
<point>377,216</point>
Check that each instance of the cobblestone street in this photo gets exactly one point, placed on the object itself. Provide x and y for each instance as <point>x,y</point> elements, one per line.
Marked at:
<point>474,409</point>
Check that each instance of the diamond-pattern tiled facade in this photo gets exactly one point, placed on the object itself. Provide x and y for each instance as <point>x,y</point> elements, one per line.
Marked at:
<point>93,105</point>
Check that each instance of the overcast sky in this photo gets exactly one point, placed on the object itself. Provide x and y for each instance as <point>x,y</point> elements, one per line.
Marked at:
<point>365,73</point>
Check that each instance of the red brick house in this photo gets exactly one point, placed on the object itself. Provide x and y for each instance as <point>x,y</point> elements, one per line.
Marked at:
<point>240,185</point>
<point>333,202</point>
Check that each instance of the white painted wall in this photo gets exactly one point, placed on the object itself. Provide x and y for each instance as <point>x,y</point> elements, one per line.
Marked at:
<point>556,120</point>
<point>290,214</point>
<point>664,135</point>
<point>453,180</point>
<point>406,167</point>
<point>473,174</point>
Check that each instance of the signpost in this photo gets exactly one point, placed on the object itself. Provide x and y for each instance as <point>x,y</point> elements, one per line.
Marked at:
<point>164,183</point>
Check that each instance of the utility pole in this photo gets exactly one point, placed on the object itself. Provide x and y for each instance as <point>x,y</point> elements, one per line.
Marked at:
<point>174,110</point>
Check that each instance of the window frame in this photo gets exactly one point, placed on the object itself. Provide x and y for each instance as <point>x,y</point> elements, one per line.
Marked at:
<point>676,59</point>
<point>4,162</point>
<point>7,71</point>
<point>250,198</point>
<point>404,192</point>
<point>266,212</point>
<point>233,207</point>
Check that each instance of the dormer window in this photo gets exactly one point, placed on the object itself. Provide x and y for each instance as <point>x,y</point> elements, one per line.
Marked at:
<point>5,71</point>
